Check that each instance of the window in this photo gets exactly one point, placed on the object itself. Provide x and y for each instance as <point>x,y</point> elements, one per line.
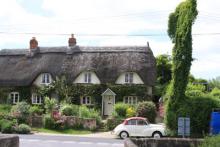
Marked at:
<point>86,100</point>
<point>36,99</point>
<point>130,100</point>
<point>129,77</point>
<point>132,122</point>
<point>14,96</point>
<point>141,122</point>
<point>87,77</point>
<point>46,78</point>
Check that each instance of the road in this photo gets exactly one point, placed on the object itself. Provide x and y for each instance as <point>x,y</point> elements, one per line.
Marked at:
<point>67,141</point>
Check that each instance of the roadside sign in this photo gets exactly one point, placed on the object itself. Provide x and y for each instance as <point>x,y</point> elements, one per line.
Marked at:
<point>184,126</point>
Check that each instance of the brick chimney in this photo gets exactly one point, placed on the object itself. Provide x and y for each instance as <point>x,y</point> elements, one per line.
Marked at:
<point>72,41</point>
<point>33,43</point>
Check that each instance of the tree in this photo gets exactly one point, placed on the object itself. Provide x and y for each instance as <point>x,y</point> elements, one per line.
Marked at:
<point>180,31</point>
<point>164,66</point>
<point>215,83</point>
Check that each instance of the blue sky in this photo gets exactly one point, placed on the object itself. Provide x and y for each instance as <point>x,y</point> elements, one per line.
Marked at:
<point>50,18</point>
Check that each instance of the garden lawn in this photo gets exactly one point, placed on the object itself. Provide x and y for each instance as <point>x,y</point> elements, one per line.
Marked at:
<point>66,131</point>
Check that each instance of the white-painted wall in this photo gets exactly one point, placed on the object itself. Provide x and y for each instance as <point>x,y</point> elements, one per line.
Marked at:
<point>38,80</point>
<point>81,78</point>
<point>136,79</point>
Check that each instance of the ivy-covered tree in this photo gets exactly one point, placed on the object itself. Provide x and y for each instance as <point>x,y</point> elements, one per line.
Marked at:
<point>180,31</point>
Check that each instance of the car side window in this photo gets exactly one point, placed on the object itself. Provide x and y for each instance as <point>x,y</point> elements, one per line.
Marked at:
<point>132,122</point>
<point>141,122</point>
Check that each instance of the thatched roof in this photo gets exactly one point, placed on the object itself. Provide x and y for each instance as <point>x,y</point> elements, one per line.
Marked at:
<point>19,67</point>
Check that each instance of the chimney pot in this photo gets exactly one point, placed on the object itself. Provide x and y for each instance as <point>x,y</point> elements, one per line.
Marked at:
<point>72,41</point>
<point>33,43</point>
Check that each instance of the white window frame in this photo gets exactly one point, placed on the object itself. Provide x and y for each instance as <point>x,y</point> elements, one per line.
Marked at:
<point>46,78</point>
<point>36,99</point>
<point>86,100</point>
<point>13,95</point>
<point>129,77</point>
<point>88,77</point>
<point>132,100</point>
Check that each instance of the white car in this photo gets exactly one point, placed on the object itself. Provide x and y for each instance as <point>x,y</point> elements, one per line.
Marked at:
<point>139,127</point>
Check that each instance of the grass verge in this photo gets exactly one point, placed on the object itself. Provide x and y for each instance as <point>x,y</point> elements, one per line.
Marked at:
<point>66,131</point>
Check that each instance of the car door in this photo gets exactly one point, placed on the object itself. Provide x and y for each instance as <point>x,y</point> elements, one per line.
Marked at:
<point>141,128</point>
<point>131,127</point>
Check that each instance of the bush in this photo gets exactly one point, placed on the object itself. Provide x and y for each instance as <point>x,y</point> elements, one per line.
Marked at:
<point>8,126</point>
<point>36,110</point>
<point>197,108</point>
<point>21,112</point>
<point>50,104</point>
<point>23,129</point>
<point>211,142</point>
<point>5,109</point>
<point>111,123</point>
<point>215,92</point>
<point>130,112</point>
<point>120,109</point>
<point>70,110</point>
<point>48,122</point>
<point>148,110</point>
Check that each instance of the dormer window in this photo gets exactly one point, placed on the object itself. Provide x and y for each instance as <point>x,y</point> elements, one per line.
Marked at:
<point>87,77</point>
<point>129,77</point>
<point>14,96</point>
<point>46,78</point>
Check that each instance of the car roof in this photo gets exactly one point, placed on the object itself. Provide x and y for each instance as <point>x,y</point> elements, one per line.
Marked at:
<point>141,118</point>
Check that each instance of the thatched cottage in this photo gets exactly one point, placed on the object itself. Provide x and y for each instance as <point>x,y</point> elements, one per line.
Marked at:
<point>85,65</point>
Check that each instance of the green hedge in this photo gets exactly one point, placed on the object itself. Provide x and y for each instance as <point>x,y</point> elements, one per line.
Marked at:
<point>197,108</point>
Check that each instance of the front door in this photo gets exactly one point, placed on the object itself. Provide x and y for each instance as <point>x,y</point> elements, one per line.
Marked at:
<point>108,103</point>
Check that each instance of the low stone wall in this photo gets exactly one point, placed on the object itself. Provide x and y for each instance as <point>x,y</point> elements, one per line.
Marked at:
<point>36,121</point>
<point>9,141</point>
<point>70,121</point>
<point>87,123</point>
<point>162,142</point>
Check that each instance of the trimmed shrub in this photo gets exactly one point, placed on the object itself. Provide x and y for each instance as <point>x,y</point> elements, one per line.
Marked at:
<point>36,110</point>
<point>48,122</point>
<point>120,109</point>
<point>213,141</point>
<point>21,112</point>
<point>148,110</point>
<point>23,129</point>
<point>70,110</point>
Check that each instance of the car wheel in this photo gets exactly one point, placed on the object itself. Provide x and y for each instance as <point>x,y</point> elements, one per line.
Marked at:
<point>156,135</point>
<point>124,135</point>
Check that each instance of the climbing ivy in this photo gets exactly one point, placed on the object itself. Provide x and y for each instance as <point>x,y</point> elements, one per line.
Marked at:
<point>180,31</point>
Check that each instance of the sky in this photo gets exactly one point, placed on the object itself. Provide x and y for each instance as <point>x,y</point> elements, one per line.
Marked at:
<point>111,23</point>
